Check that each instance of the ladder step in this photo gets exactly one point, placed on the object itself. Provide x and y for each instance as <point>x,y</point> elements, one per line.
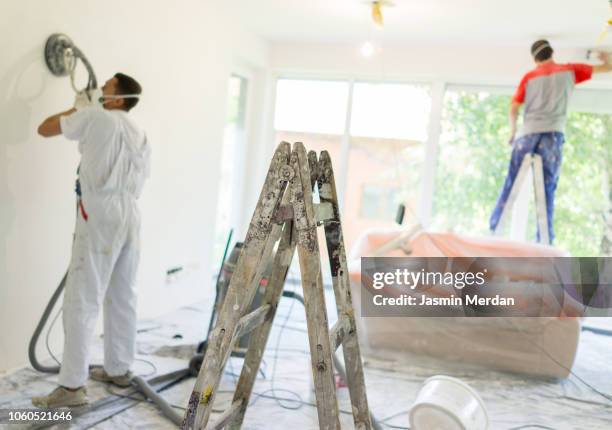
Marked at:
<point>339,332</point>
<point>323,212</point>
<point>252,320</point>
<point>226,416</point>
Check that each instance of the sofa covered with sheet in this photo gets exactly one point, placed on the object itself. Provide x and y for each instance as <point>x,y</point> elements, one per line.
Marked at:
<point>535,346</point>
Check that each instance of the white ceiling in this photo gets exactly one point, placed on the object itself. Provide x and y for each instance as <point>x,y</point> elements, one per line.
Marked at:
<point>571,23</point>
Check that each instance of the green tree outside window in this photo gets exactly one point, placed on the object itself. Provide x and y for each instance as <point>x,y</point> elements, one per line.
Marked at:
<point>473,162</point>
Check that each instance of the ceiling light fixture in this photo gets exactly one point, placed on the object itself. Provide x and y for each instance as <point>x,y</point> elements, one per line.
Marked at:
<point>367,49</point>
<point>606,29</point>
<point>377,10</point>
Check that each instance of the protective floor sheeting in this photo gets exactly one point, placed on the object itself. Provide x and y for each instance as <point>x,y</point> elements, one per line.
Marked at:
<point>513,401</point>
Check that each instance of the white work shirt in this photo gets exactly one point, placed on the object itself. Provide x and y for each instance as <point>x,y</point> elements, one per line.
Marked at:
<point>115,155</point>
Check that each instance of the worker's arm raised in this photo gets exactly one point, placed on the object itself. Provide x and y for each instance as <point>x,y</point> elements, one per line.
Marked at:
<point>513,116</point>
<point>51,126</point>
<point>606,66</point>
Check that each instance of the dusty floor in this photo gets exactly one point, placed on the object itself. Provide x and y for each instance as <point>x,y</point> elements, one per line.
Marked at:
<point>513,401</point>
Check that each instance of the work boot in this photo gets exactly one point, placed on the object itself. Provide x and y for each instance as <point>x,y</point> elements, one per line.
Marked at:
<point>61,397</point>
<point>99,374</point>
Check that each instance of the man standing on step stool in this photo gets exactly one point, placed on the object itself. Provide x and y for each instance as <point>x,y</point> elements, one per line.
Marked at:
<point>105,251</point>
<point>545,92</point>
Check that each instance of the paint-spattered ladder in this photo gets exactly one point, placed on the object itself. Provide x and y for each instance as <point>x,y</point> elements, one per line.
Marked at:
<point>533,163</point>
<point>286,218</point>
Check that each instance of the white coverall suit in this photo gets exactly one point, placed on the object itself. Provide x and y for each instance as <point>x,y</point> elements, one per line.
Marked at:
<point>105,253</point>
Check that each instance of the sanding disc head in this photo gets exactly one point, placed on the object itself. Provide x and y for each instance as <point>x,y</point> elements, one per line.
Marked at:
<point>55,53</point>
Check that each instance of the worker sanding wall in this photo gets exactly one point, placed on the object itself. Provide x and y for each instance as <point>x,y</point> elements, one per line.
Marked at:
<point>182,55</point>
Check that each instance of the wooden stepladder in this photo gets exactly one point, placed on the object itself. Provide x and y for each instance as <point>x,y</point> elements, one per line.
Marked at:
<point>531,163</point>
<point>286,218</point>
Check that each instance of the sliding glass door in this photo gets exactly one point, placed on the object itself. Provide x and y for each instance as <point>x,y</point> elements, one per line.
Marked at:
<point>375,134</point>
<point>388,131</point>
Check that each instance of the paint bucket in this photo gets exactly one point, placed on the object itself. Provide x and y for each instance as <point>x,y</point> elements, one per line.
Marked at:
<point>446,403</point>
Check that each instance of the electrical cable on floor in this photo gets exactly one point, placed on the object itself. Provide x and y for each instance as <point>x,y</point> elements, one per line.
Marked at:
<point>597,330</point>
<point>257,396</point>
<point>571,372</point>
<point>393,426</point>
<point>109,389</point>
<point>301,402</point>
<point>138,401</point>
<point>150,363</point>
<point>296,402</point>
<point>532,426</point>
<point>301,351</point>
<point>273,376</point>
<point>130,394</point>
<point>291,328</point>
<point>384,421</point>
<point>147,329</point>
<point>263,370</point>
<point>231,372</point>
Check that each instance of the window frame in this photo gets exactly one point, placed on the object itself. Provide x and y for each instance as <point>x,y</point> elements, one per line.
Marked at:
<point>438,89</point>
<point>341,171</point>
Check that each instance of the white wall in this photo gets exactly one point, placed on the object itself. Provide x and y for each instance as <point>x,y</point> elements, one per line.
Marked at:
<point>182,54</point>
<point>484,65</point>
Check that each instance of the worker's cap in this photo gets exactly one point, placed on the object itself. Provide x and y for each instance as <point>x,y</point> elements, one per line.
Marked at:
<point>539,46</point>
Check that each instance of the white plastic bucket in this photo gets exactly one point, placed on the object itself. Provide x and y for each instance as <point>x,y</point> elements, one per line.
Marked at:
<point>446,403</point>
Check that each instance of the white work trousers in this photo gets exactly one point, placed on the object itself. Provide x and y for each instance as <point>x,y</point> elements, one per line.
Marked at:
<point>105,255</point>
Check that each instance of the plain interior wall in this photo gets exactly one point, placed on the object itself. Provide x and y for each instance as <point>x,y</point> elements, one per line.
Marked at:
<point>476,65</point>
<point>182,54</point>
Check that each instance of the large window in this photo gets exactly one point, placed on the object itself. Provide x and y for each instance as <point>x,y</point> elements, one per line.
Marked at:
<point>312,112</point>
<point>375,134</point>
<point>473,161</point>
<point>388,129</point>
<point>583,194</point>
